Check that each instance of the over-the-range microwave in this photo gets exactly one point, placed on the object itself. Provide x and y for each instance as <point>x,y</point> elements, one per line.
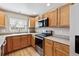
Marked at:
<point>43,23</point>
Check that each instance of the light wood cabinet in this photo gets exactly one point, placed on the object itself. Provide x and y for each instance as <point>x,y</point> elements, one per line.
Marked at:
<point>64,14</point>
<point>53,48</point>
<point>59,52</point>
<point>29,37</point>
<point>16,42</point>
<point>24,41</point>
<point>48,47</point>
<point>59,47</point>
<point>8,47</point>
<point>32,22</point>
<point>59,17</point>
<point>9,44</point>
<point>33,41</point>
<point>2,19</point>
<point>53,20</point>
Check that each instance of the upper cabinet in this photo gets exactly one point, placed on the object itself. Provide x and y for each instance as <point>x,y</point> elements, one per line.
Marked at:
<point>32,22</point>
<point>58,17</point>
<point>53,18</point>
<point>2,19</point>
<point>63,16</point>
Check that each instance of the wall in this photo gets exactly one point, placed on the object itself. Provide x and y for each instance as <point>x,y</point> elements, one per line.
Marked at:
<point>7,26</point>
<point>74,27</point>
<point>0,51</point>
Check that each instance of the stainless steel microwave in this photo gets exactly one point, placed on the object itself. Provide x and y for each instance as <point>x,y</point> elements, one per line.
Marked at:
<point>43,22</point>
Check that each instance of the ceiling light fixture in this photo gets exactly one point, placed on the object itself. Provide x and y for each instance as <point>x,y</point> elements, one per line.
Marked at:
<point>48,4</point>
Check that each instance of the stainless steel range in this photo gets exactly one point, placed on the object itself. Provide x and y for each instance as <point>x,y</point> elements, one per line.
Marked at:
<point>39,41</point>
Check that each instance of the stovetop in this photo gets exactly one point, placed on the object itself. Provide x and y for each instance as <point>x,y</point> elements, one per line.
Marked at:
<point>42,35</point>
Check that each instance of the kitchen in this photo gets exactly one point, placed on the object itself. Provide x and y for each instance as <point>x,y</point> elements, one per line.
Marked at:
<point>39,30</point>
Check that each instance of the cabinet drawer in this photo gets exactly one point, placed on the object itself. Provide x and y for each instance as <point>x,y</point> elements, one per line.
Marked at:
<point>58,52</point>
<point>62,47</point>
<point>47,41</point>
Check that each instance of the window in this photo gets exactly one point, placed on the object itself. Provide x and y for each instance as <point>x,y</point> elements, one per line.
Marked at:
<point>18,25</point>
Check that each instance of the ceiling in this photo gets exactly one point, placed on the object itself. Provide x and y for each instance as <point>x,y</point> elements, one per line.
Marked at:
<point>29,8</point>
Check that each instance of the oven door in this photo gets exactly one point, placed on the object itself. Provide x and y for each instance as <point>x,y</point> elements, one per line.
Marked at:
<point>38,45</point>
<point>38,42</point>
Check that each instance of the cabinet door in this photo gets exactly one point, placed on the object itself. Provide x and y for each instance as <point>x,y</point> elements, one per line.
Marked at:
<point>16,42</point>
<point>33,41</point>
<point>32,22</point>
<point>64,16</point>
<point>24,41</point>
<point>2,19</point>
<point>5,49</point>
<point>61,49</point>
<point>29,39</point>
<point>48,47</point>
<point>9,45</point>
<point>53,18</point>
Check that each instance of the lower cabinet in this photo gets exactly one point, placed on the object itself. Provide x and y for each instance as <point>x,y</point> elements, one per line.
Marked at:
<point>53,48</point>
<point>29,38</point>
<point>16,42</point>
<point>59,52</point>
<point>9,45</point>
<point>24,41</point>
<point>61,49</point>
<point>33,41</point>
<point>48,47</point>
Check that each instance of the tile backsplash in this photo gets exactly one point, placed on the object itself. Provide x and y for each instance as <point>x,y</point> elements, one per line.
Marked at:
<point>57,31</point>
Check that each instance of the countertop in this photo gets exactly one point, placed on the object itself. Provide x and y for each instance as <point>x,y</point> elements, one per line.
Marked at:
<point>60,40</point>
<point>2,37</point>
<point>64,41</point>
